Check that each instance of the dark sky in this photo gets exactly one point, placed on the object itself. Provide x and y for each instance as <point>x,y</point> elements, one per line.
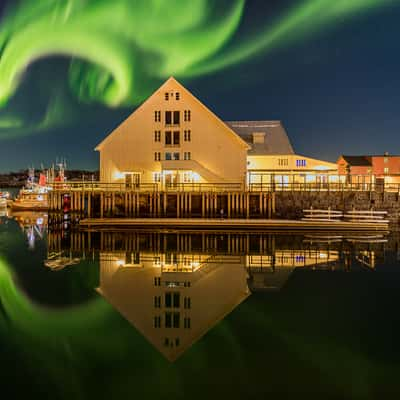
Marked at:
<point>337,91</point>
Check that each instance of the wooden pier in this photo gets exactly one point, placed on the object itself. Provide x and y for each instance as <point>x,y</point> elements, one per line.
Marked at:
<point>166,204</point>
<point>237,224</point>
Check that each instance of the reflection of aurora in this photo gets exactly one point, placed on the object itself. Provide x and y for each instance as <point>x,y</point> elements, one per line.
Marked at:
<point>42,321</point>
<point>120,49</point>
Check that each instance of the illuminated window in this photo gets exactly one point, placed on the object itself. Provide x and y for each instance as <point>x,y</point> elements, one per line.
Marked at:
<point>187,115</point>
<point>186,136</point>
<point>386,170</point>
<point>187,155</point>
<point>385,160</point>
<point>157,156</point>
<point>157,136</point>
<point>176,156</point>
<point>168,156</point>
<point>300,163</point>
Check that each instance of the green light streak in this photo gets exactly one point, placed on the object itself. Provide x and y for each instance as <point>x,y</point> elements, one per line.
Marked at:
<point>44,322</point>
<point>120,50</point>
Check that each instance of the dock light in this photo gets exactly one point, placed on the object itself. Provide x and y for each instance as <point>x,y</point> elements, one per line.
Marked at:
<point>120,263</point>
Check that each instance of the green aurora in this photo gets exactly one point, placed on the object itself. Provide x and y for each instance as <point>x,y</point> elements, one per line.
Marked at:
<point>119,51</point>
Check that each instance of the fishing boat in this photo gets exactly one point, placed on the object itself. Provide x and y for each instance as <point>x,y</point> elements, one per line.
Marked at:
<point>34,197</point>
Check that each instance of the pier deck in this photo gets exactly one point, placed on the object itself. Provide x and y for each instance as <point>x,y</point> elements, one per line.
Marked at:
<point>232,224</point>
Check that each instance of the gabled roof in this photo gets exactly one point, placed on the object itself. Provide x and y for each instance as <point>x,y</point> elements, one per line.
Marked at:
<point>176,84</point>
<point>357,161</point>
<point>276,140</point>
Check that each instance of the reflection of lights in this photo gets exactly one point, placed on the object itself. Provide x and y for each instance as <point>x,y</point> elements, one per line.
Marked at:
<point>120,263</point>
<point>195,264</point>
<point>323,255</point>
<point>39,221</point>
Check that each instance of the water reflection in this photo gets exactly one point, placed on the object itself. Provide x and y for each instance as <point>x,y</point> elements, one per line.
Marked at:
<point>173,287</point>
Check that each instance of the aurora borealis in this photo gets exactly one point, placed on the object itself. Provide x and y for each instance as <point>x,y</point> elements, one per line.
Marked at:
<point>114,54</point>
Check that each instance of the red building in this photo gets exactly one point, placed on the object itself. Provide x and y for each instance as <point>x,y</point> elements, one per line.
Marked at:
<point>367,169</point>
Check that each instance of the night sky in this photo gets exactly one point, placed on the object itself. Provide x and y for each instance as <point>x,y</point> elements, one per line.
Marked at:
<point>336,89</point>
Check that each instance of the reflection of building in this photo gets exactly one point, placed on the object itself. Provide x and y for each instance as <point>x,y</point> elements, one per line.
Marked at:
<point>270,272</point>
<point>173,138</point>
<point>172,299</point>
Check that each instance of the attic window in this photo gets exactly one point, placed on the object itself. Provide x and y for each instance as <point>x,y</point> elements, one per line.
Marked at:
<point>177,95</point>
<point>167,96</point>
<point>258,137</point>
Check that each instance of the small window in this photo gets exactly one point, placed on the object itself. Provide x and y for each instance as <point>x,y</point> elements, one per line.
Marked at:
<point>166,96</point>
<point>168,320</point>
<point>157,301</point>
<point>177,300</point>
<point>177,118</point>
<point>157,175</point>
<point>187,302</point>
<point>187,155</point>
<point>176,320</point>
<point>186,135</point>
<point>177,342</point>
<point>177,96</point>
<point>157,322</point>
<point>157,116</point>
<point>168,138</point>
<point>300,163</point>
<point>168,156</point>
<point>166,342</point>
<point>386,170</point>
<point>157,136</point>
<point>176,156</point>
<point>168,117</point>
<point>186,323</point>
<point>176,137</point>
<point>168,300</point>
<point>157,156</point>
<point>157,281</point>
<point>187,115</point>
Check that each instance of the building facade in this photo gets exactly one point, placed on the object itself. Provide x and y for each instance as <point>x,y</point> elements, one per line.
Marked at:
<point>370,168</point>
<point>172,138</point>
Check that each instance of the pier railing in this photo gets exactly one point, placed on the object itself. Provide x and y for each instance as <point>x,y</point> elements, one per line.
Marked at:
<point>225,187</point>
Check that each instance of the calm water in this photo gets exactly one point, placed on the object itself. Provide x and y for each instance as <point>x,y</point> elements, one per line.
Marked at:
<point>110,315</point>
